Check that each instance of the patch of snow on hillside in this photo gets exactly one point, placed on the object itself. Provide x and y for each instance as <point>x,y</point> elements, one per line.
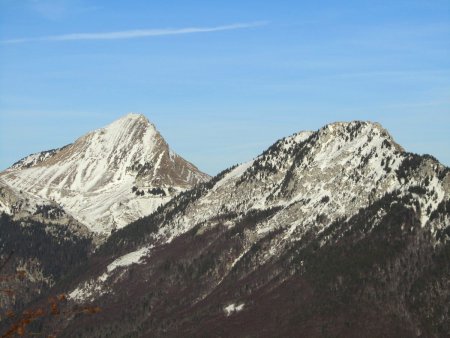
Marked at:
<point>4,208</point>
<point>97,287</point>
<point>433,201</point>
<point>89,289</point>
<point>233,308</point>
<point>128,259</point>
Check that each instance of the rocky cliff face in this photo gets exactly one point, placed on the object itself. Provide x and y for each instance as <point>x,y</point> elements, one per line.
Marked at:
<point>105,179</point>
<point>336,232</point>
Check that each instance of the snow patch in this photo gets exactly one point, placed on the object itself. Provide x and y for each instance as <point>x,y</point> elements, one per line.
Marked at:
<point>128,259</point>
<point>89,289</point>
<point>96,287</point>
<point>233,308</point>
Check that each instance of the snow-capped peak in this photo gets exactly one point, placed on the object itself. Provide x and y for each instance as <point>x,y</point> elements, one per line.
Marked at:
<point>108,177</point>
<point>131,120</point>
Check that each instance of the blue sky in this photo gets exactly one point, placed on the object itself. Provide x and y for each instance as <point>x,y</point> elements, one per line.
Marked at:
<point>223,80</point>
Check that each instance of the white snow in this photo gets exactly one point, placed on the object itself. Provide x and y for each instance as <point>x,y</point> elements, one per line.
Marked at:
<point>233,308</point>
<point>4,208</point>
<point>90,289</point>
<point>301,136</point>
<point>128,259</point>
<point>433,201</point>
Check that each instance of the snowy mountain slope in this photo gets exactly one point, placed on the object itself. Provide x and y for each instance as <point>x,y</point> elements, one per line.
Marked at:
<point>335,171</point>
<point>108,177</point>
<point>23,205</point>
<point>255,227</point>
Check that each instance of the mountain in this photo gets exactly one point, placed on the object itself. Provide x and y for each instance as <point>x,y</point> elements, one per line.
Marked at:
<point>57,206</point>
<point>105,179</point>
<point>337,232</point>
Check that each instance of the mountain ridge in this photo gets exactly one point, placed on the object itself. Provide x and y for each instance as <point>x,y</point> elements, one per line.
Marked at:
<point>333,232</point>
<point>385,171</point>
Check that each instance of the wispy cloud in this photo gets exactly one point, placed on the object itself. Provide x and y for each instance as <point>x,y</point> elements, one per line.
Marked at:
<point>133,34</point>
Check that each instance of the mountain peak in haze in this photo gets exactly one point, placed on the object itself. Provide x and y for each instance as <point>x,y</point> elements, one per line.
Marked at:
<point>108,177</point>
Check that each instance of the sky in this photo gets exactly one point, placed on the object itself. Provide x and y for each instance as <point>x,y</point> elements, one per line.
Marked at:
<point>223,80</point>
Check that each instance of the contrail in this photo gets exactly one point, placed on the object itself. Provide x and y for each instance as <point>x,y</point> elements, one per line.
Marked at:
<point>133,34</point>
